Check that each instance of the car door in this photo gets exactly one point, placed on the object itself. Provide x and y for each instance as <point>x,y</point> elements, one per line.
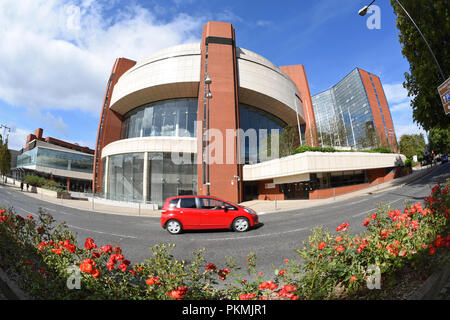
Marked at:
<point>188,213</point>
<point>213,215</point>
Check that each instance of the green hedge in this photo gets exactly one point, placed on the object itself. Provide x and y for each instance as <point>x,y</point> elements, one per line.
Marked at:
<point>331,149</point>
<point>41,182</point>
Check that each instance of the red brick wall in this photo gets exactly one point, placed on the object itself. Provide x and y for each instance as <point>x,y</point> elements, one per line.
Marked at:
<point>112,122</point>
<point>374,177</point>
<point>386,112</point>
<point>298,76</point>
<point>269,194</point>
<point>378,120</point>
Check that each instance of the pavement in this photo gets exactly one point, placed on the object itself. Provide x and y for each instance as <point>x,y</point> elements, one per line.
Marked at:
<point>260,206</point>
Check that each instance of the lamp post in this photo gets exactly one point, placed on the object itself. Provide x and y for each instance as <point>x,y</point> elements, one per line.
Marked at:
<point>208,96</point>
<point>363,11</point>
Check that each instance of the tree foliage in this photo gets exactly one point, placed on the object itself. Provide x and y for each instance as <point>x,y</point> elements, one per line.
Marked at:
<point>412,144</point>
<point>439,140</point>
<point>5,158</point>
<point>432,17</point>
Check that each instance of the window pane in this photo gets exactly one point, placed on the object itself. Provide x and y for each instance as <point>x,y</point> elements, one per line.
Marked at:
<point>213,204</point>
<point>187,203</point>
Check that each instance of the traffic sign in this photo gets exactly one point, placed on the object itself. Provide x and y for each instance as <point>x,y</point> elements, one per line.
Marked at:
<point>444,92</point>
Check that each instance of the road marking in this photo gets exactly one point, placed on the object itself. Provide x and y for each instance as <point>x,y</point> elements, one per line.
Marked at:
<point>250,237</point>
<point>29,212</point>
<point>108,233</point>
<point>374,209</point>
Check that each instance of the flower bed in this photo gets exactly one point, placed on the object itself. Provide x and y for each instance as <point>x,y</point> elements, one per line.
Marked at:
<point>49,265</point>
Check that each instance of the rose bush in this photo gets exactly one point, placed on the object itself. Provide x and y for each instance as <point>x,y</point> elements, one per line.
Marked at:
<point>46,260</point>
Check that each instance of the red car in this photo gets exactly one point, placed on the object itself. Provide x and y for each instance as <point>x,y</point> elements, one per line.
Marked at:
<point>203,212</point>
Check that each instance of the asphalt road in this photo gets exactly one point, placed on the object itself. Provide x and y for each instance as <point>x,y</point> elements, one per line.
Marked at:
<point>275,239</point>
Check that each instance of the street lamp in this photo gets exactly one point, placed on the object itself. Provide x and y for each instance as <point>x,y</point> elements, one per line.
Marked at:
<point>363,11</point>
<point>208,96</point>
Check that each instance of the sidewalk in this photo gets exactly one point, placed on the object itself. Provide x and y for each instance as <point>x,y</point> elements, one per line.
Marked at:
<point>260,206</point>
<point>89,206</point>
<point>271,206</point>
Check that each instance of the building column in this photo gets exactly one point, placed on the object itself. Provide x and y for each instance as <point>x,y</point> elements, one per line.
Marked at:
<point>68,184</point>
<point>105,170</point>
<point>219,63</point>
<point>145,178</point>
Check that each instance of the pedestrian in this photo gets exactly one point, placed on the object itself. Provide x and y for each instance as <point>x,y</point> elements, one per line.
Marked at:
<point>21,186</point>
<point>27,187</point>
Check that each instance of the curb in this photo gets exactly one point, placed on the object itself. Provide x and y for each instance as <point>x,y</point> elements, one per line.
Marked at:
<point>10,289</point>
<point>433,285</point>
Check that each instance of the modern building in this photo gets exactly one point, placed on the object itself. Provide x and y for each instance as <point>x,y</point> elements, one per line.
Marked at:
<point>354,113</point>
<point>159,114</point>
<point>68,164</point>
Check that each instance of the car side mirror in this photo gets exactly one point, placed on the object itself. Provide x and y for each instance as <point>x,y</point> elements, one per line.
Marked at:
<point>225,208</point>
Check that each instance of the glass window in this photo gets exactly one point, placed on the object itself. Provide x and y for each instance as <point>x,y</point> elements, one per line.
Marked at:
<point>211,204</point>
<point>174,117</point>
<point>252,118</point>
<point>173,203</point>
<point>187,203</point>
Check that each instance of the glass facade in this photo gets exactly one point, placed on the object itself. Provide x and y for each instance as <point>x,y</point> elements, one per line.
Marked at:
<point>125,177</point>
<point>175,117</point>
<point>165,178</point>
<point>257,119</point>
<point>56,159</point>
<point>343,114</point>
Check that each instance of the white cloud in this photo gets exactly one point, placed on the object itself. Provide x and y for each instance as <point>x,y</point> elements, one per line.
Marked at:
<point>395,93</point>
<point>263,23</point>
<point>58,54</point>
<point>400,107</point>
<point>401,110</point>
<point>402,129</point>
<point>17,137</point>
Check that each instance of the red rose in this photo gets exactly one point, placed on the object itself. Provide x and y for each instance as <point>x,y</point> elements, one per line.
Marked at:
<point>210,267</point>
<point>86,267</point>
<point>95,273</point>
<point>321,245</point>
<point>89,244</point>
<point>106,249</point>
<point>343,227</point>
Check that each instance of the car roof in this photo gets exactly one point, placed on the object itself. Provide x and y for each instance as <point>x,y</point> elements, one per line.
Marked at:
<point>194,196</point>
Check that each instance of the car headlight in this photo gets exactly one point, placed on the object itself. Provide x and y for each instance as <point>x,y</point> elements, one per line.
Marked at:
<point>249,211</point>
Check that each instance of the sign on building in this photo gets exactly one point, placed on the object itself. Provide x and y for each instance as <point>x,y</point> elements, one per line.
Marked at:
<point>444,92</point>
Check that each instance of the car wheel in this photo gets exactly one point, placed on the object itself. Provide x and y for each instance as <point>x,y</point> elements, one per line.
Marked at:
<point>173,226</point>
<point>241,224</point>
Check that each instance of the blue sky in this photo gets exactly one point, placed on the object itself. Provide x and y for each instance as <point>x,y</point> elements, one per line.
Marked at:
<point>57,54</point>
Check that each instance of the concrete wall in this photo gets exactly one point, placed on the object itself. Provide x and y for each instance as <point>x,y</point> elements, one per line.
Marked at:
<point>311,162</point>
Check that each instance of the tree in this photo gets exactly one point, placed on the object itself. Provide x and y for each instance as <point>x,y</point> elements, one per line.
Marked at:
<point>289,140</point>
<point>433,19</point>
<point>5,158</point>
<point>412,144</point>
<point>439,140</point>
